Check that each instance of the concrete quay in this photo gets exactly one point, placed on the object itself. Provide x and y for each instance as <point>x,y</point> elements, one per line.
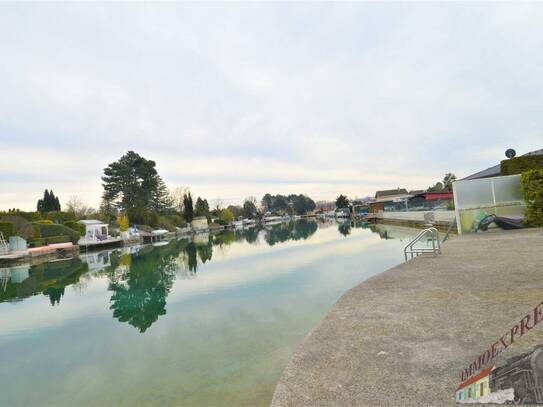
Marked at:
<point>403,337</point>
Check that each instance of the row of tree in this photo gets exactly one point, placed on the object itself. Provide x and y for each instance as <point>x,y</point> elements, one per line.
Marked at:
<point>445,185</point>
<point>132,185</point>
<point>291,204</point>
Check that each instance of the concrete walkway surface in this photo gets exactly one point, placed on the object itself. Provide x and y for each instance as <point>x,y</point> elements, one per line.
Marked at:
<point>402,338</point>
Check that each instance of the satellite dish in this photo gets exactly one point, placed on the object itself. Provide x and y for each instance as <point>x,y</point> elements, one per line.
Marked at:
<point>510,153</point>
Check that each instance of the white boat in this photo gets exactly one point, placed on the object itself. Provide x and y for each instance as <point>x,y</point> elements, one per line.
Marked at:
<point>159,232</point>
<point>273,220</point>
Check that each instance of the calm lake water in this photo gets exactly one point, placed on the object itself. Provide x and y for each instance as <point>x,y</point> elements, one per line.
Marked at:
<point>211,321</point>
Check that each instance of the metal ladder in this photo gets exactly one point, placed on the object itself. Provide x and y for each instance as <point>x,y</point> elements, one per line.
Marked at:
<point>431,234</point>
<point>4,246</point>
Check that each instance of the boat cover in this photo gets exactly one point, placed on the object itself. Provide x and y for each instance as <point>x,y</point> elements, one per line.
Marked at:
<point>501,221</point>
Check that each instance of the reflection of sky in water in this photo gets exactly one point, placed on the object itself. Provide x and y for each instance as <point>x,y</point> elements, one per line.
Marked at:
<point>220,334</point>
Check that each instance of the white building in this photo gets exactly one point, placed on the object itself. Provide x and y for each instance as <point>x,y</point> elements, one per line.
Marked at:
<point>96,232</point>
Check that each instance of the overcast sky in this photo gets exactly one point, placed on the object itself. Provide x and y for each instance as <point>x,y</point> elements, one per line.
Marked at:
<point>238,99</point>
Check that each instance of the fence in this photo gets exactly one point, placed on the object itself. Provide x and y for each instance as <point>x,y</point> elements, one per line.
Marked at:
<point>475,199</point>
<point>419,216</point>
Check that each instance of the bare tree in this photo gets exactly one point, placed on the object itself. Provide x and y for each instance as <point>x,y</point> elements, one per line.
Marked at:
<point>252,199</point>
<point>76,206</point>
<point>219,204</point>
<point>177,194</point>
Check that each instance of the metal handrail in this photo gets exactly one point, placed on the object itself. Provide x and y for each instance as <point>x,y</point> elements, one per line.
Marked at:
<point>4,245</point>
<point>436,245</point>
<point>451,226</point>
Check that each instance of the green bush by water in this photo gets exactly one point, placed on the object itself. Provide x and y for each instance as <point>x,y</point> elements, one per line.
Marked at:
<point>78,227</point>
<point>44,241</point>
<point>53,230</point>
<point>7,229</point>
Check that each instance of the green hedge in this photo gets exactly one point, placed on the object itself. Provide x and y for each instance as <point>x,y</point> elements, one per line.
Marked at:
<point>78,227</point>
<point>518,165</point>
<point>58,239</point>
<point>532,186</point>
<point>37,242</point>
<point>7,229</point>
<point>59,217</point>
<point>29,216</point>
<point>47,231</point>
<point>37,231</point>
<point>44,241</point>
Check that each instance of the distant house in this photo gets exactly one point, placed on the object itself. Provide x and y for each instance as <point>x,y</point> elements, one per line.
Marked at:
<point>199,224</point>
<point>96,233</point>
<point>495,170</point>
<point>390,194</point>
<point>431,200</point>
<point>95,229</point>
<point>390,200</point>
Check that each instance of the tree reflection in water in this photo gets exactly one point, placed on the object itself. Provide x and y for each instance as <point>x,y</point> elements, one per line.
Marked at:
<point>140,285</point>
<point>140,282</point>
<point>344,228</point>
<point>282,232</point>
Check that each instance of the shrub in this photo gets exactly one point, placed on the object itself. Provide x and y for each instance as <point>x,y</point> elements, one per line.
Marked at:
<point>29,216</point>
<point>57,239</point>
<point>51,230</point>
<point>143,217</point>
<point>123,222</point>
<point>7,229</point>
<point>226,216</point>
<point>177,220</point>
<point>44,241</point>
<point>37,231</point>
<point>532,185</point>
<point>518,165</point>
<point>165,223</point>
<point>36,242</point>
<point>59,217</point>
<point>78,227</point>
<point>21,227</point>
<point>45,222</point>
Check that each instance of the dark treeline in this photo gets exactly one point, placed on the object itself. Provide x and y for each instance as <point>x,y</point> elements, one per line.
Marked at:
<point>291,204</point>
<point>49,202</point>
<point>135,194</point>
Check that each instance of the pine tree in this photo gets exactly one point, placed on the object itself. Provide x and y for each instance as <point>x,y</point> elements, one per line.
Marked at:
<point>201,208</point>
<point>162,200</point>
<point>189,210</point>
<point>48,203</point>
<point>132,182</point>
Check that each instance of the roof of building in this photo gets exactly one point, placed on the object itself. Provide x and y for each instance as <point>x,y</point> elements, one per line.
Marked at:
<point>477,377</point>
<point>416,191</point>
<point>495,170</point>
<point>88,222</point>
<point>391,192</point>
